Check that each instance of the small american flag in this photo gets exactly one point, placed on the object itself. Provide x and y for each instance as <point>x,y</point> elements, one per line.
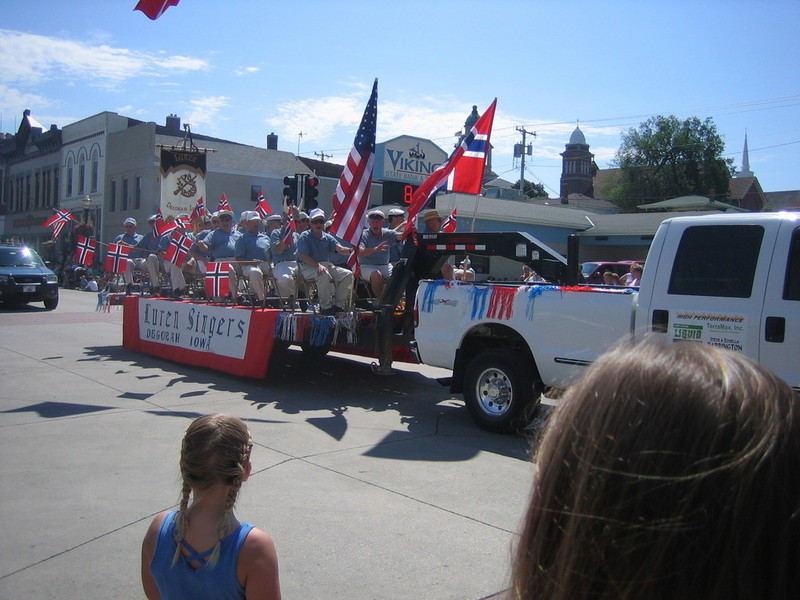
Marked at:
<point>352,193</point>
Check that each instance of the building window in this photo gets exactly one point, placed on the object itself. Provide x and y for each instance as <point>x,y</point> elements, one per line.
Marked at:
<point>69,177</point>
<point>123,204</point>
<point>112,201</point>
<point>95,170</point>
<point>137,193</point>
<point>82,174</point>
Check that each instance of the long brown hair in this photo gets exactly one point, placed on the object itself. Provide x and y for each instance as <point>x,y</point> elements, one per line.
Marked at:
<point>669,471</point>
<point>215,449</point>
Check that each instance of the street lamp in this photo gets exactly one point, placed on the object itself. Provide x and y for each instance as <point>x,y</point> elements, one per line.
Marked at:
<point>87,204</point>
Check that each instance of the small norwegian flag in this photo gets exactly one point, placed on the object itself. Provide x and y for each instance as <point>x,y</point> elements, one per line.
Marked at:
<point>178,249</point>
<point>161,226</point>
<point>84,253</point>
<point>450,223</point>
<point>58,220</point>
<point>287,230</point>
<point>117,258</point>
<point>217,281</point>
<point>223,203</point>
<point>199,210</point>
<point>263,208</point>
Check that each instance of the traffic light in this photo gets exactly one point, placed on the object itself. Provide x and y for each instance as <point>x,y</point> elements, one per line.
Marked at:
<point>311,192</point>
<point>290,191</point>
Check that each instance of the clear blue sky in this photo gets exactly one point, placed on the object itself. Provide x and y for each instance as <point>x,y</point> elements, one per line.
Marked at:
<point>240,69</point>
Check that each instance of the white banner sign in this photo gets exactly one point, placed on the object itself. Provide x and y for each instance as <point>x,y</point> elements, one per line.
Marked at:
<point>216,329</point>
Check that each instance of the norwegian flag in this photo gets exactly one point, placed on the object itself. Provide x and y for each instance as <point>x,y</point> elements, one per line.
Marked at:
<point>154,8</point>
<point>450,223</point>
<point>117,258</point>
<point>84,253</point>
<point>184,221</point>
<point>161,227</point>
<point>217,281</point>
<point>351,198</point>
<point>199,210</point>
<point>461,172</point>
<point>287,230</point>
<point>263,208</point>
<point>223,204</point>
<point>58,220</point>
<point>178,249</point>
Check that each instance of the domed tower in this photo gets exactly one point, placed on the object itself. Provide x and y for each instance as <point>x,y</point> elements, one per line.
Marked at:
<point>577,167</point>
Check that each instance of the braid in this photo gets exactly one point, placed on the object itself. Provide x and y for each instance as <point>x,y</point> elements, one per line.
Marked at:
<point>180,521</point>
<point>216,449</point>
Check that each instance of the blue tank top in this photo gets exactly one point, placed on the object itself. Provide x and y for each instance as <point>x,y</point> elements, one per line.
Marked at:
<point>182,582</point>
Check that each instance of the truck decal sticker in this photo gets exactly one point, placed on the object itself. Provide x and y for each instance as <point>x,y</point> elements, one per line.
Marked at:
<point>715,329</point>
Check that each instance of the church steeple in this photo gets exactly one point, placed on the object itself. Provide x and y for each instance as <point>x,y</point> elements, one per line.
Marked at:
<point>577,167</point>
<point>745,172</point>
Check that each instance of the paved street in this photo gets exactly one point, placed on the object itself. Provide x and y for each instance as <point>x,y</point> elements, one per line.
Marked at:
<point>372,487</point>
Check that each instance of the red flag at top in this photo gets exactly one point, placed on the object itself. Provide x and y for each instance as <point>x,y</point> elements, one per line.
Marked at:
<point>161,226</point>
<point>450,223</point>
<point>155,8</point>
<point>223,203</point>
<point>462,172</point>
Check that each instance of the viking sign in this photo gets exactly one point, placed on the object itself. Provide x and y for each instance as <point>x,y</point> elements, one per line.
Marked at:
<point>183,181</point>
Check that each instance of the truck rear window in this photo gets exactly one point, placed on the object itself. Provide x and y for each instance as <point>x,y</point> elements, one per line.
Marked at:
<point>791,290</point>
<point>714,260</point>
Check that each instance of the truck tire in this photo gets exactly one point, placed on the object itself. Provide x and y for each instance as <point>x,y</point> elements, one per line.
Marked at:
<point>51,303</point>
<point>499,390</point>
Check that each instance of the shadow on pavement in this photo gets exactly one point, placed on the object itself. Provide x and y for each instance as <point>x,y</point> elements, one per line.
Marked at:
<point>297,383</point>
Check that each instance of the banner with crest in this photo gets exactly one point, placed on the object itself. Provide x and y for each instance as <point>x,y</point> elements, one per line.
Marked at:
<point>183,181</point>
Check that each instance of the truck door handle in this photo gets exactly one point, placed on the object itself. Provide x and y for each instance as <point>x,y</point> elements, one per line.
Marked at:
<point>775,329</point>
<point>660,320</point>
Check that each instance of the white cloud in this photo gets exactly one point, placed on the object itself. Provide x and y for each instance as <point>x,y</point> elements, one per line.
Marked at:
<point>205,112</point>
<point>30,59</point>
<point>246,70</point>
<point>11,99</point>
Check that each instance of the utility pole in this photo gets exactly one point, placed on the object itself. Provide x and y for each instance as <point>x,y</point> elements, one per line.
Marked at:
<point>521,150</point>
<point>299,137</point>
<point>322,156</point>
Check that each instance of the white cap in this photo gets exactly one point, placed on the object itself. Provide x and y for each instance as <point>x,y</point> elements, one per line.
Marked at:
<point>397,212</point>
<point>376,213</point>
<point>251,215</point>
<point>316,213</point>
<point>130,220</point>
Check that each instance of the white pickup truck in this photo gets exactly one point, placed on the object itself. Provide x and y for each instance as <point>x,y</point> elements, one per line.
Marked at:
<point>726,280</point>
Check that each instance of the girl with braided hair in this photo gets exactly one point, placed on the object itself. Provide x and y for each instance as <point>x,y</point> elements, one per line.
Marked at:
<point>202,550</point>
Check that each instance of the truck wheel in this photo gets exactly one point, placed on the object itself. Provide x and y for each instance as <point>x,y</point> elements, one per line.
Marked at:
<point>499,391</point>
<point>51,303</point>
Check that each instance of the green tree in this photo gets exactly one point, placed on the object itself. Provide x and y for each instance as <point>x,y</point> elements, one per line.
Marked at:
<point>667,158</point>
<point>531,190</point>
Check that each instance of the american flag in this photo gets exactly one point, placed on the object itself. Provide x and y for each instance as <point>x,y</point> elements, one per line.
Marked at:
<point>155,8</point>
<point>217,280</point>
<point>117,258</point>
<point>58,220</point>
<point>199,210</point>
<point>178,249</point>
<point>84,252</point>
<point>223,204</point>
<point>462,172</point>
<point>451,222</point>
<point>351,199</point>
<point>262,207</point>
